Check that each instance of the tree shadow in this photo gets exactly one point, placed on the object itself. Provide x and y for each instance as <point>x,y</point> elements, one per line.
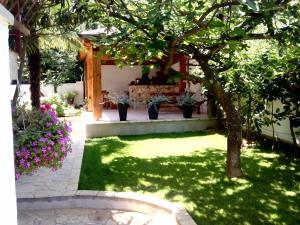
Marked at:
<point>269,193</point>
<point>166,135</point>
<point>93,167</point>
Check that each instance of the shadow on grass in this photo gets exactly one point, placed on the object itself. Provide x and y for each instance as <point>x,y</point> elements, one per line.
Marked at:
<point>270,193</point>
<point>166,135</point>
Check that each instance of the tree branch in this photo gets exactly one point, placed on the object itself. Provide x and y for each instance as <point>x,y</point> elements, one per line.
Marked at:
<point>216,7</point>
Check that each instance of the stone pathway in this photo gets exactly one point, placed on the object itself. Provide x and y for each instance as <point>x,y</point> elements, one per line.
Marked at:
<point>64,181</point>
<point>83,217</point>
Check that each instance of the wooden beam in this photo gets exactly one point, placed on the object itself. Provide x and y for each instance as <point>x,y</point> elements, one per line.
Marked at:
<point>89,77</point>
<point>97,92</point>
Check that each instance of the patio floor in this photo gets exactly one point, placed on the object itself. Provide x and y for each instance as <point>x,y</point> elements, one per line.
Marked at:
<point>141,114</point>
<point>138,122</point>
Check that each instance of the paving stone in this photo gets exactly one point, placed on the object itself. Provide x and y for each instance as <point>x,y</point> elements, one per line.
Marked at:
<point>110,222</point>
<point>81,217</point>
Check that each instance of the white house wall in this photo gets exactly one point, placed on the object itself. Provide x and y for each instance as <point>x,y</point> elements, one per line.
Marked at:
<point>7,173</point>
<point>281,132</point>
<point>48,90</point>
<point>116,79</point>
<point>13,65</point>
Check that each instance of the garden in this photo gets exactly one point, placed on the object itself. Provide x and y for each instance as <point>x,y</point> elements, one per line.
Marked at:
<point>189,170</point>
<point>245,55</point>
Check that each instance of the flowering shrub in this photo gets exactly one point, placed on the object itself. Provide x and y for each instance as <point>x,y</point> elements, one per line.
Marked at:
<point>56,103</point>
<point>61,108</point>
<point>40,139</point>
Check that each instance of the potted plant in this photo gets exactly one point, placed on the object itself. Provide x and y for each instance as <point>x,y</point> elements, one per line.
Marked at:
<point>153,105</point>
<point>187,103</point>
<point>123,102</point>
<point>70,96</point>
<point>85,104</point>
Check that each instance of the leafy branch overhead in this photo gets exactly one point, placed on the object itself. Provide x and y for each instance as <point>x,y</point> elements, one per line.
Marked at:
<point>211,33</point>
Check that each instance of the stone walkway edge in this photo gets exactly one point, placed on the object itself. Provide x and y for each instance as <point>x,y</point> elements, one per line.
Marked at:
<point>124,201</point>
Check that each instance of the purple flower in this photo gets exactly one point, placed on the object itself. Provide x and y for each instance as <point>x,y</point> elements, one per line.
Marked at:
<point>68,128</point>
<point>48,134</point>
<point>13,109</point>
<point>27,165</point>
<point>43,139</point>
<point>17,175</point>
<point>37,159</point>
<point>26,154</point>
<point>49,124</point>
<point>44,150</point>
<point>22,162</point>
<point>34,143</point>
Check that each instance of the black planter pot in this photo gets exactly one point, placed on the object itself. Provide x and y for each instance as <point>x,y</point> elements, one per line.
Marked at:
<point>153,112</point>
<point>123,108</point>
<point>187,111</point>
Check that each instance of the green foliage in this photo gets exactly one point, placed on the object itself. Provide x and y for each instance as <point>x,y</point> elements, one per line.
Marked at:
<point>120,99</point>
<point>60,67</point>
<point>70,95</point>
<point>187,99</point>
<point>57,103</point>
<point>156,100</point>
<point>61,107</point>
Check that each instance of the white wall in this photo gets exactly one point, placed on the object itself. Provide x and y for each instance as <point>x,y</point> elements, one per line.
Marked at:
<point>48,90</point>
<point>13,65</point>
<point>282,132</point>
<point>7,174</point>
<point>116,79</point>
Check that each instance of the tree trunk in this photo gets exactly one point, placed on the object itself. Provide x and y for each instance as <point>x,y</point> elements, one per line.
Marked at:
<point>233,118</point>
<point>34,64</point>
<point>20,73</point>
<point>249,116</point>
<point>55,88</point>
<point>291,118</point>
<point>272,125</point>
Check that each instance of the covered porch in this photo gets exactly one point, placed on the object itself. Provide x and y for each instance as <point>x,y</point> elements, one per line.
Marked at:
<point>103,77</point>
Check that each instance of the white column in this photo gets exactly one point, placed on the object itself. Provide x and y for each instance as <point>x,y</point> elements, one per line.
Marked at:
<point>7,175</point>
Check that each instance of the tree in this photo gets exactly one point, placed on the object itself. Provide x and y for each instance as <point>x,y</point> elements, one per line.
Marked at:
<point>210,32</point>
<point>44,19</point>
<point>59,67</point>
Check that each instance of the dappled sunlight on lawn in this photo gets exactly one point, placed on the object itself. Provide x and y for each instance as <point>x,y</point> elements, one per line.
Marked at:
<point>190,170</point>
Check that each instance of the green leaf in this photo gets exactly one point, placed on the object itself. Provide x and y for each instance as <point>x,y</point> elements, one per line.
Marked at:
<point>250,3</point>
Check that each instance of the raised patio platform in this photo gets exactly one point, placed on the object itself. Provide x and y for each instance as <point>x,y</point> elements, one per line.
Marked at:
<point>139,123</point>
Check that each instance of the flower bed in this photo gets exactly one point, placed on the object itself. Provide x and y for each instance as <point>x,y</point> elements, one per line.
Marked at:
<point>40,139</point>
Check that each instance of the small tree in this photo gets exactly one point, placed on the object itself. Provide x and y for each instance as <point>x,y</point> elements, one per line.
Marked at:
<point>59,67</point>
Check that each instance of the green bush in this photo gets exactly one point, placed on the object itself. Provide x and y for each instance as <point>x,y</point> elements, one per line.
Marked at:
<point>57,103</point>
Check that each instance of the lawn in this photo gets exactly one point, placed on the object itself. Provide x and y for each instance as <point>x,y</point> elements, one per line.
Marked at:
<point>188,168</point>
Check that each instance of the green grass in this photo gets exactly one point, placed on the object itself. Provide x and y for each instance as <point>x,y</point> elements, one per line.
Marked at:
<point>188,168</point>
